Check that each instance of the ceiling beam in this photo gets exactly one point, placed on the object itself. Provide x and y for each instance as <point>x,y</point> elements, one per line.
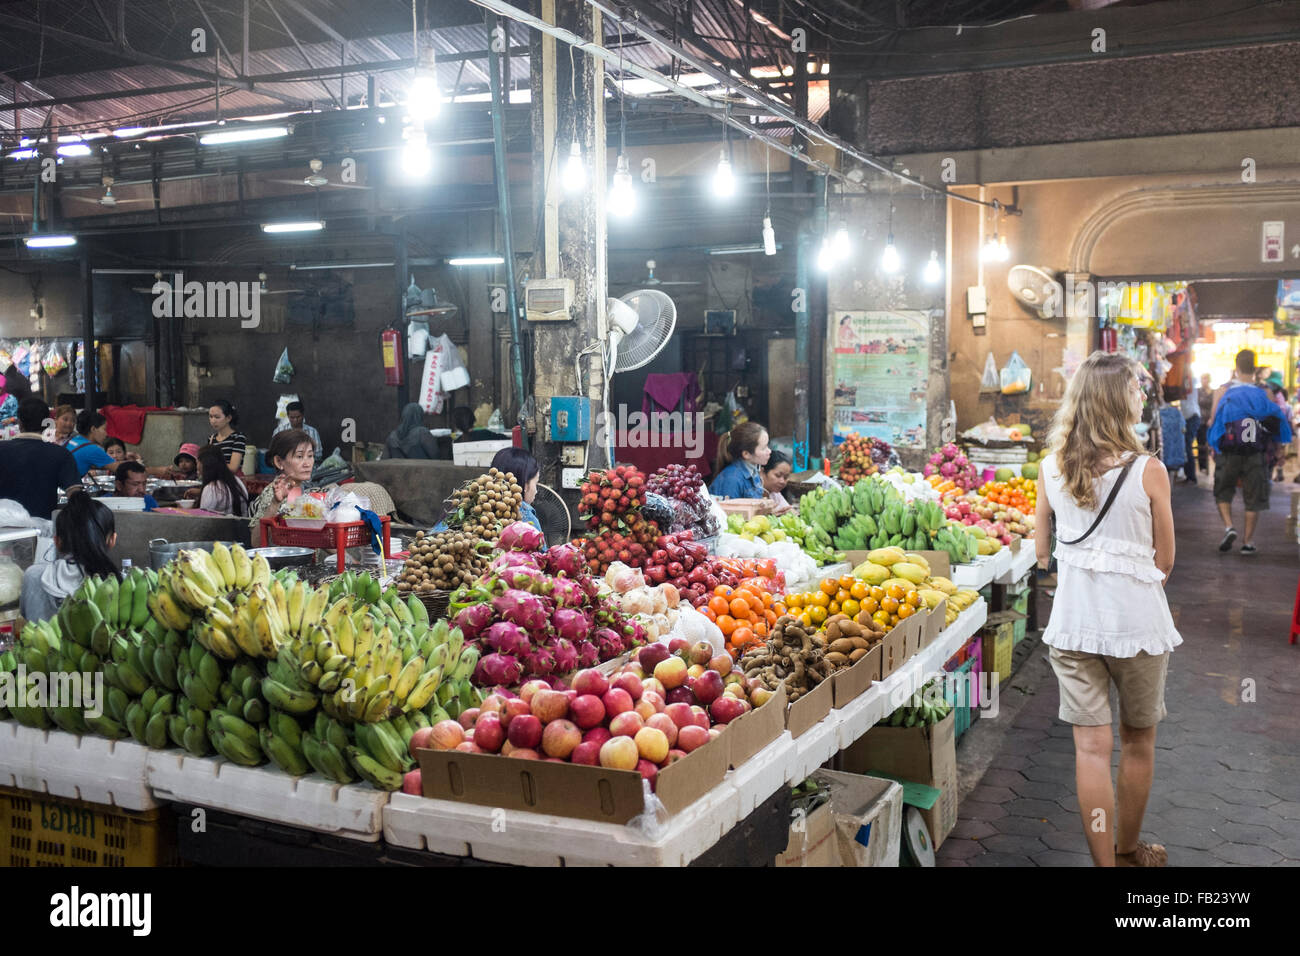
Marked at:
<point>103,18</point>
<point>328,91</point>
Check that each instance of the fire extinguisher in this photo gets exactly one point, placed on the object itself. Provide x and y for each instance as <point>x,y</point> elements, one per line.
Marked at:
<point>394,359</point>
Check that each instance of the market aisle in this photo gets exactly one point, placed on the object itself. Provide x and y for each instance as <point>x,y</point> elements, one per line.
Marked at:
<point>1227,782</point>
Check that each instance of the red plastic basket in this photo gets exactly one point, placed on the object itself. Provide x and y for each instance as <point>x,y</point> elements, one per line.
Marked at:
<point>332,537</point>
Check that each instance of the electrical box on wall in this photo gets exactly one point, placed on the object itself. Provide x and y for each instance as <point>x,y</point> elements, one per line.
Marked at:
<point>572,478</point>
<point>573,456</point>
<point>548,300</point>
<point>570,419</point>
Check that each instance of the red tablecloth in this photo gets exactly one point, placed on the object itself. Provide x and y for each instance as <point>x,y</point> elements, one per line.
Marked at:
<point>127,421</point>
<point>652,459</point>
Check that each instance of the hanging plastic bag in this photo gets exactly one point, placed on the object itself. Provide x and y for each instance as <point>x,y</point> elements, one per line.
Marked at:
<point>53,360</point>
<point>283,369</point>
<point>22,358</point>
<point>432,396</point>
<point>417,338</point>
<point>989,381</point>
<point>454,373</point>
<point>1015,376</point>
<point>652,822</point>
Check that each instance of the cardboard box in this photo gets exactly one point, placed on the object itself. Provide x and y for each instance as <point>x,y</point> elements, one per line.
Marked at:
<point>747,507</point>
<point>998,639</point>
<point>914,635</point>
<point>934,623</point>
<point>569,790</point>
<point>747,735</point>
<point>868,817</point>
<point>810,709</point>
<point>812,839</point>
<point>893,649</point>
<point>851,682</point>
<point>925,755</point>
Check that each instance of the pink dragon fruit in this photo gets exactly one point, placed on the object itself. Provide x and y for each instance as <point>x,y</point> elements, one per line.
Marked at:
<point>498,669</point>
<point>567,593</point>
<point>526,579</point>
<point>949,450</point>
<point>588,655</point>
<point>520,607</point>
<point>570,624</point>
<point>474,620</point>
<point>947,469</point>
<point>609,643</point>
<point>507,638</point>
<point>541,662</point>
<point>514,559</point>
<point>928,470</point>
<point>566,656</point>
<point>566,559</point>
<point>521,536</point>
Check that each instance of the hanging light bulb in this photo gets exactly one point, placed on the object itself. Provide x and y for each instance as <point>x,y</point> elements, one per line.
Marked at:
<point>724,182</point>
<point>889,259</point>
<point>989,251</point>
<point>423,99</point>
<point>622,197</point>
<point>769,237</point>
<point>575,174</point>
<point>933,271</point>
<point>841,246</point>
<point>417,158</point>
<point>1003,252</point>
<point>824,256</point>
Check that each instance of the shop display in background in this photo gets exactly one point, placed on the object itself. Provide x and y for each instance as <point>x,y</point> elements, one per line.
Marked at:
<point>858,456</point>
<point>880,369</point>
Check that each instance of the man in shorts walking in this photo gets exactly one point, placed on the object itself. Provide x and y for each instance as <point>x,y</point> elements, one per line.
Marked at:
<point>1242,423</point>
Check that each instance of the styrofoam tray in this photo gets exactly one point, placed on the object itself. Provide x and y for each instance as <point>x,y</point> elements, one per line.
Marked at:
<point>1022,562</point>
<point>354,811</point>
<point>108,772</point>
<point>508,836</point>
<point>975,575</point>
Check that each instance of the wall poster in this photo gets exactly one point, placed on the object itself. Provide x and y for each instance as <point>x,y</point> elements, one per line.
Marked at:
<point>880,363</point>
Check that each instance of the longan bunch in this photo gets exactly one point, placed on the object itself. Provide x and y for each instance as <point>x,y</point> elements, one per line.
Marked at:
<point>487,504</point>
<point>443,562</point>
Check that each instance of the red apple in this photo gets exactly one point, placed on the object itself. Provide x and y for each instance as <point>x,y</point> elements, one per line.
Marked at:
<point>664,723</point>
<point>626,724</point>
<point>492,703</point>
<point>560,738</point>
<point>681,695</point>
<point>411,783</point>
<point>752,684</point>
<point>587,711</point>
<point>761,696</point>
<point>654,698</point>
<point>701,652</point>
<point>708,687</point>
<point>420,740</point>
<point>650,655</point>
<point>737,691</point>
<point>648,770</point>
<point>469,747</point>
<point>532,687</point>
<point>716,732</point>
<point>732,677</point>
<point>653,686</point>
<point>681,715</point>
<point>525,731</point>
<point>633,668</point>
<point>489,733</point>
<point>630,683</point>
<point>721,663</point>
<point>447,735</point>
<point>467,717</point>
<point>652,744</point>
<point>591,682</point>
<point>690,737</point>
<point>645,708</point>
<point>525,753</point>
<point>617,701</point>
<point>597,735</point>
<point>678,644</point>
<point>672,672</point>
<point>694,671</point>
<point>515,707</point>
<point>549,705</point>
<point>619,753</point>
<point>587,752</point>
<point>674,756</point>
<point>726,709</point>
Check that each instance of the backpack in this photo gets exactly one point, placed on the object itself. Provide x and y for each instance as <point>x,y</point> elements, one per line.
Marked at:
<point>1246,435</point>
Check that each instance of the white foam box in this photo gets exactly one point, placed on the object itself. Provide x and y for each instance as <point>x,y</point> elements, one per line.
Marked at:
<point>976,574</point>
<point>814,747</point>
<point>354,811</point>
<point>533,839</point>
<point>95,769</point>
<point>763,774</point>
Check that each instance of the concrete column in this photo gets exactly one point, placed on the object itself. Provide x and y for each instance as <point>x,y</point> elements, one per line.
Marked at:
<point>573,227</point>
<point>479,318</point>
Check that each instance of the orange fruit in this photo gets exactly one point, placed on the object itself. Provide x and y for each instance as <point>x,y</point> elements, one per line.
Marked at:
<point>767,599</point>
<point>821,599</point>
<point>770,616</point>
<point>912,598</point>
<point>829,586</point>
<point>843,594</point>
<point>726,624</point>
<point>778,609</point>
<point>847,581</point>
<point>889,605</point>
<point>794,600</point>
<point>881,618</point>
<point>760,629</point>
<point>739,607</point>
<point>708,612</point>
<point>718,604</point>
<point>859,590</point>
<point>895,591</point>
<point>833,607</point>
<point>877,592</point>
<point>817,615</point>
<point>905,610</point>
<point>742,636</point>
<point>722,590</point>
<point>851,607</point>
<point>870,605</point>
<point>806,619</point>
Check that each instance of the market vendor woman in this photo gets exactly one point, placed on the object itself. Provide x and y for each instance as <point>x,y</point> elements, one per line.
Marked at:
<point>742,453</point>
<point>87,446</point>
<point>293,455</point>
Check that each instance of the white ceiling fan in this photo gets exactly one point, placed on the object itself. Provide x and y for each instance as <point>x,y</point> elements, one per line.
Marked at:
<point>652,280</point>
<point>108,200</point>
<point>316,179</point>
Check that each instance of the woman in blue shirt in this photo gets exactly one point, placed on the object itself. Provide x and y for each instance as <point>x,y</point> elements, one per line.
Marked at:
<point>526,471</point>
<point>742,453</point>
<point>87,446</point>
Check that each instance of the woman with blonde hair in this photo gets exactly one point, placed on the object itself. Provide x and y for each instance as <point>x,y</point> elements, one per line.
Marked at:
<point>1110,621</point>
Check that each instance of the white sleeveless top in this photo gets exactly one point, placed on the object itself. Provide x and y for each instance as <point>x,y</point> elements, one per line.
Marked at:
<point>1109,597</point>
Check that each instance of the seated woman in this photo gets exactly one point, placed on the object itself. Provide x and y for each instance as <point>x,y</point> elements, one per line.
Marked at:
<point>293,455</point>
<point>410,439</point>
<point>742,453</point>
<point>525,470</point>
<point>87,446</point>
<point>222,491</point>
<point>776,474</point>
<point>65,424</point>
<point>83,536</point>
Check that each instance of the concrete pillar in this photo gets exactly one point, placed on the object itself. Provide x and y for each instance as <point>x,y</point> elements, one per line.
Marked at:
<point>479,318</point>
<point>573,245</point>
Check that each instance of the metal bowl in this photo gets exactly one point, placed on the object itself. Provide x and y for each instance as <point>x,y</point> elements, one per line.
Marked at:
<point>285,557</point>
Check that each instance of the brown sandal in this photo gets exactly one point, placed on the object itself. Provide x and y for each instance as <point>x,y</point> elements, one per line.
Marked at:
<point>1146,854</point>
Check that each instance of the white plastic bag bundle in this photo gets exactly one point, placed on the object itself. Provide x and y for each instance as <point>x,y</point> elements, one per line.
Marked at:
<point>343,507</point>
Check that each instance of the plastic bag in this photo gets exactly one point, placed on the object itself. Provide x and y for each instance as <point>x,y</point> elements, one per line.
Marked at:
<point>989,380</point>
<point>454,373</point>
<point>344,507</point>
<point>283,369</point>
<point>417,338</point>
<point>14,515</point>
<point>652,821</point>
<point>1015,376</point>
<point>53,360</point>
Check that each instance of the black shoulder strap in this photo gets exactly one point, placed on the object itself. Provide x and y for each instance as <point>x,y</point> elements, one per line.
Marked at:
<point>1110,500</point>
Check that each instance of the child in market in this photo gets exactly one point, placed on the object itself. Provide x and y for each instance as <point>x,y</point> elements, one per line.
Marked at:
<point>742,453</point>
<point>83,537</point>
<point>1115,550</point>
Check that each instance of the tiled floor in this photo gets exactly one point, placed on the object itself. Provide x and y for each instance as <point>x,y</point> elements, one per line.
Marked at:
<point>1227,780</point>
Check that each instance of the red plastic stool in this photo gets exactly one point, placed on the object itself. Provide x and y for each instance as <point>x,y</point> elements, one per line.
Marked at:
<point>1295,616</point>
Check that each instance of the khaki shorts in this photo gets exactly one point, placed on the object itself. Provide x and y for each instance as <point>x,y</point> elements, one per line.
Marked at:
<point>1251,471</point>
<point>1085,687</point>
